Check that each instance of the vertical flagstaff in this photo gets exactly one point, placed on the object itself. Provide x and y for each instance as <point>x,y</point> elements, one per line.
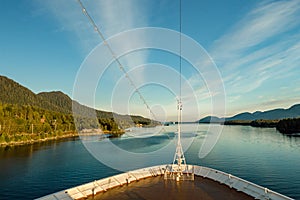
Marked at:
<point>179,169</point>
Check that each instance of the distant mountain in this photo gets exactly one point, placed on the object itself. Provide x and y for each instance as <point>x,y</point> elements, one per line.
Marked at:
<point>275,114</point>
<point>242,116</point>
<point>211,119</point>
<point>292,112</point>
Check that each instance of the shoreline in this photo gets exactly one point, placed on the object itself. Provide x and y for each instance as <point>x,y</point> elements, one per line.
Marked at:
<point>64,136</point>
<point>289,126</point>
<point>20,143</point>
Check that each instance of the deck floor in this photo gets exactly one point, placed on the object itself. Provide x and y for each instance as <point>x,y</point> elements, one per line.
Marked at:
<point>157,188</point>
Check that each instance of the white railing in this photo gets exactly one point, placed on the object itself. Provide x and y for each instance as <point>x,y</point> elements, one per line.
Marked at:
<point>89,189</point>
<point>254,190</point>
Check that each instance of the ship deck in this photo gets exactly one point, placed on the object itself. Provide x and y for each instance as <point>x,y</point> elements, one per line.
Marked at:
<point>149,183</point>
<point>157,188</point>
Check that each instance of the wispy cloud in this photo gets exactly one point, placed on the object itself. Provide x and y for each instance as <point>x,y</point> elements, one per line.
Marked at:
<point>261,47</point>
<point>115,16</point>
<point>70,20</point>
<point>258,26</point>
<point>112,17</point>
<point>234,98</point>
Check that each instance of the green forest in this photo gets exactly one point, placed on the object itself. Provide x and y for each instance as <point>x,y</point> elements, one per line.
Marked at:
<point>285,126</point>
<point>26,123</point>
<point>28,117</point>
<point>289,126</point>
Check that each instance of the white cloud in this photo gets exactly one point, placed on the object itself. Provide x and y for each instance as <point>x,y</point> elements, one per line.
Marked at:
<point>115,16</point>
<point>261,24</point>
<point>234,98</point>
<point>257,48</point>
<point>112,17</point>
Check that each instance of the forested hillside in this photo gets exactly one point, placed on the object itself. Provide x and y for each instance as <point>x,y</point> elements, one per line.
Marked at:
<point>58,99</point>
<point>16,94</point>
<point>26,116</point>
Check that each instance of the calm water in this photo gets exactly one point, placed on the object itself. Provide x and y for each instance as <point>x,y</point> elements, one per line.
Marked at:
<point>262,156</point>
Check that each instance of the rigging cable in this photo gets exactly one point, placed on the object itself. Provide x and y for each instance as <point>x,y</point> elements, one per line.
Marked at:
<point>96,28</point>
<point>180,60</point>
<point>180,78</point>
<point>179,151</point>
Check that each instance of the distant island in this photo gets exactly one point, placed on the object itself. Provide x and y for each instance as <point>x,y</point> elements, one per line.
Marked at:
<point>286,121</point>
<point>26,117</point>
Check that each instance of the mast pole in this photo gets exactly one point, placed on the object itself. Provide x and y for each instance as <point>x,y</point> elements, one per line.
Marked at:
<point>179,170</point>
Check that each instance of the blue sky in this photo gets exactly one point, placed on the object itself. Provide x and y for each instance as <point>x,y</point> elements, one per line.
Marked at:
<point>254,44</point>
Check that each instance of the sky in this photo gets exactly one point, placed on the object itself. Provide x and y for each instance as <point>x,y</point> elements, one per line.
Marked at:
<point>249,59</point>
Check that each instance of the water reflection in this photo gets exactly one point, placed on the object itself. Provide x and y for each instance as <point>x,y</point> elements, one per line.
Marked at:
<point>29,149</point>
<point>263,156</point>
